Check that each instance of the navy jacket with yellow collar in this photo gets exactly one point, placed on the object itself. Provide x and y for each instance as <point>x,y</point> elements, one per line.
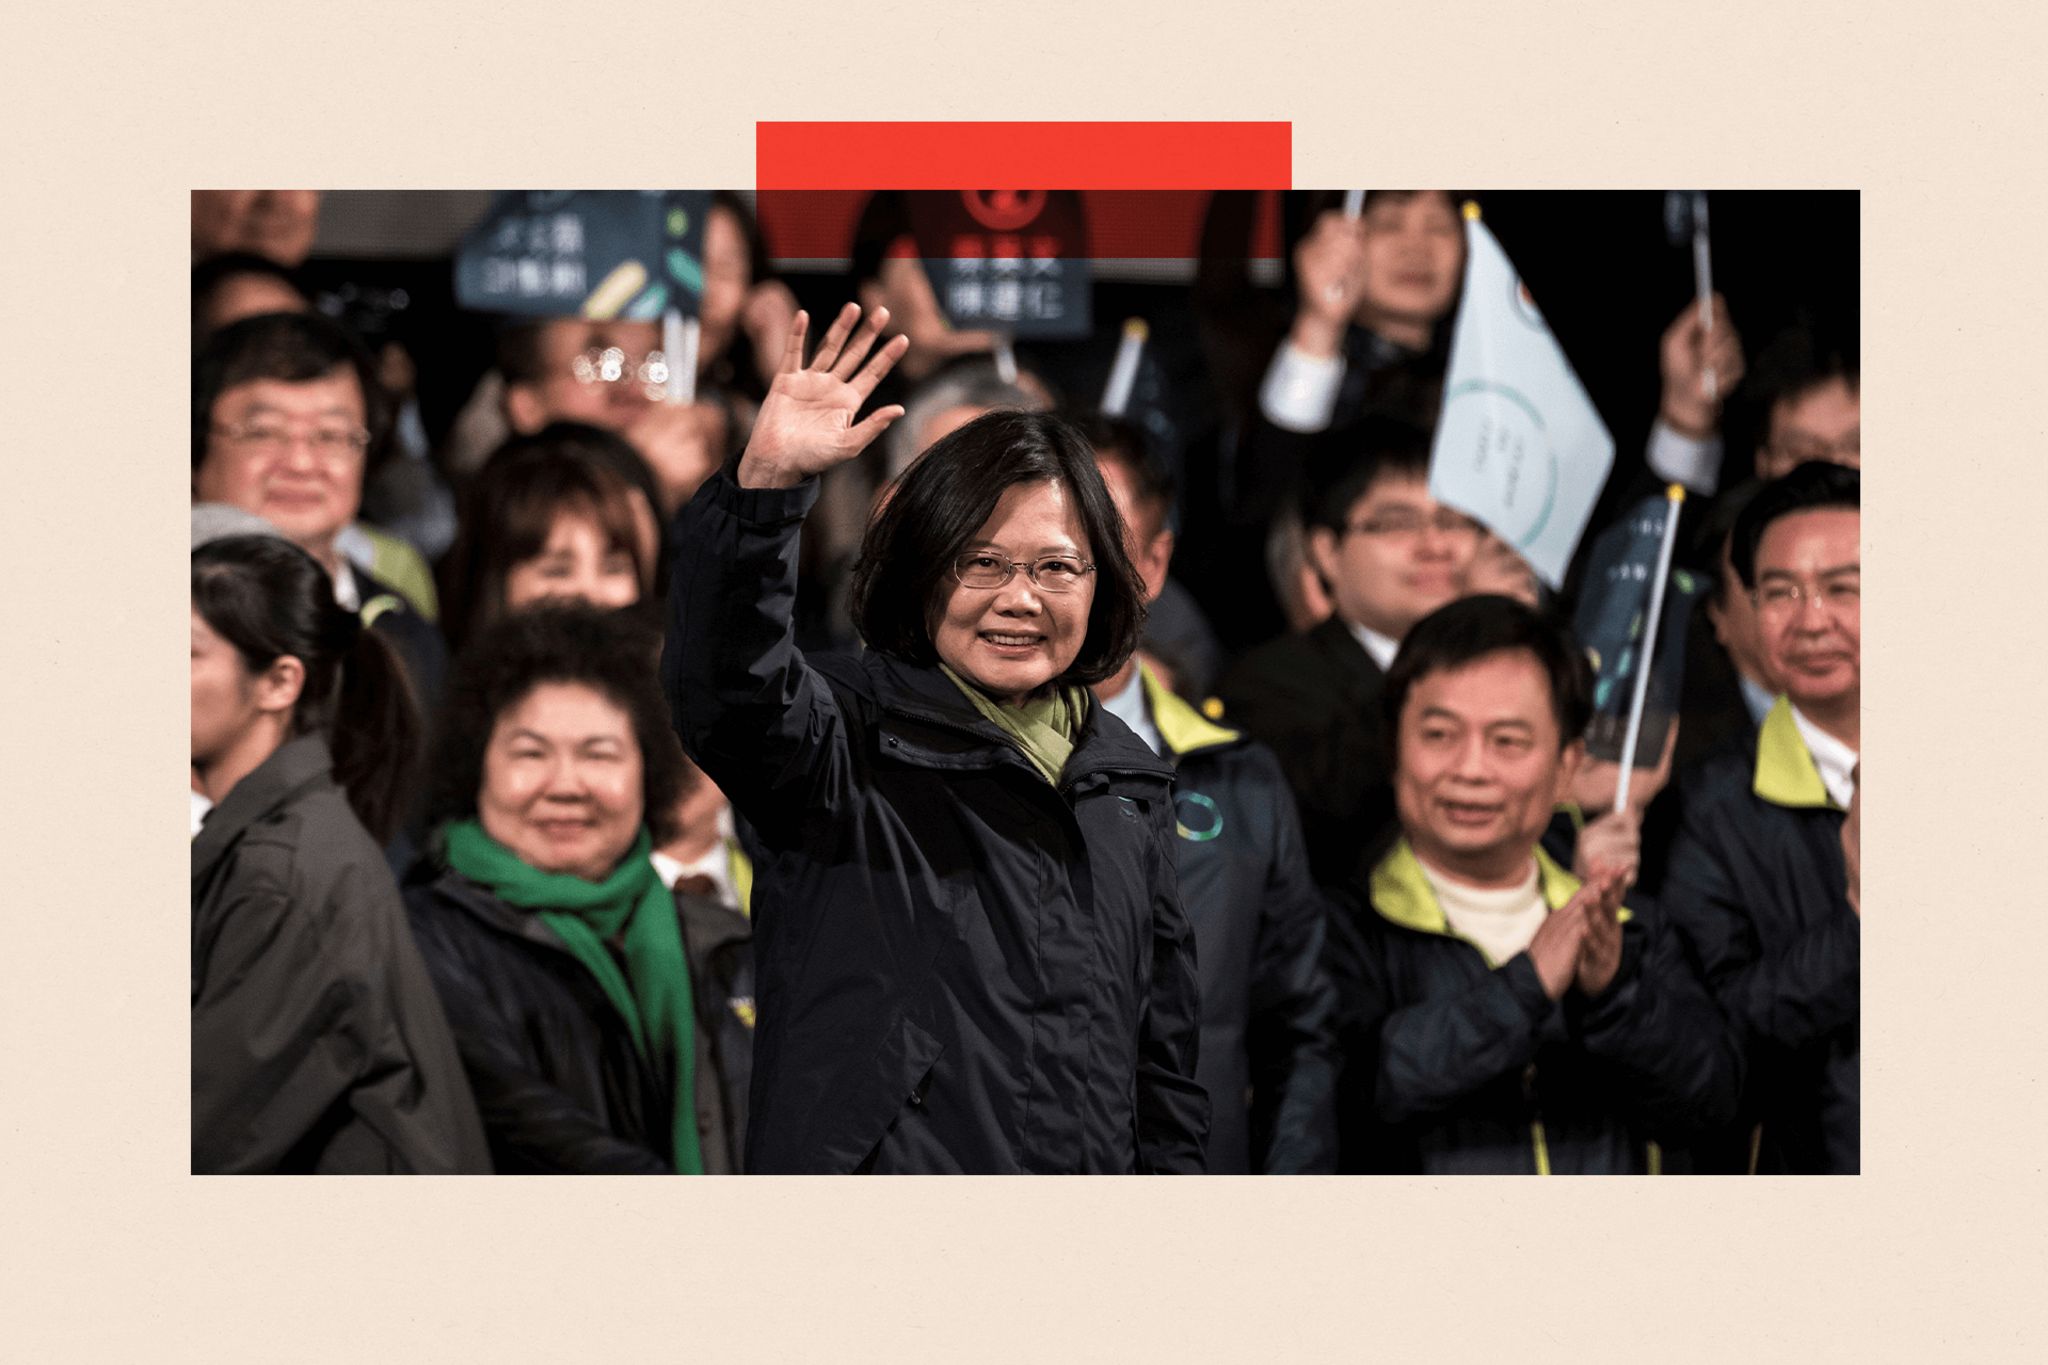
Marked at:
<point>1756,887</point>
<point>1267,1055</point>
<point>1455,1064</point>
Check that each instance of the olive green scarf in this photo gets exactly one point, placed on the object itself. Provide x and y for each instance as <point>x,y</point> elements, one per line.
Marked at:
<point>1045,730</point>
<point>630,906</point>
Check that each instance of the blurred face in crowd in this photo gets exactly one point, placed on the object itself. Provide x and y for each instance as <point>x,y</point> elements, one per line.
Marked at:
<point>1012,640</point>
<point>291,453</point>
<point>276,224</point>
<point>1823,423</point>
<point>1149,542</point>
<point>592,372</point>
<point>1479,767</point>
<point>727,277</point>
<point>1809,605</point>
<point>1414,253</point>
<point>1733,617</point>
<point>1400,555</point>
<point>247,296</point>
<point>1497,569</point>
<point>562,784</point>
<point>580,560</point>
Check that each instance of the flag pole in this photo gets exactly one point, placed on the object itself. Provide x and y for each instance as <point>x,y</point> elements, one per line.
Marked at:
<point>1123,374</point>
<point>1675,493</point>
<point>1354,208</point>
<point>679,338</point>
<point>1703,285</point>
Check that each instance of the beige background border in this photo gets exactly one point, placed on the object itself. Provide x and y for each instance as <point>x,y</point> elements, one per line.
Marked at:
<point>111,1252</point>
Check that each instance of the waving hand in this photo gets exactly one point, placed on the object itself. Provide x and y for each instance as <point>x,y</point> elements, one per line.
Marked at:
<point>806,423</point>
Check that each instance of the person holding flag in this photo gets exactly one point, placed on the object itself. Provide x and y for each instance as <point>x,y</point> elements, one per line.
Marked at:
<point>1496,1014</point>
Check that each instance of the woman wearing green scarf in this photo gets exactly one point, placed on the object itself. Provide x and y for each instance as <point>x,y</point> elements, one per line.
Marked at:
<point>593,1042</point>
<point>972,950</point>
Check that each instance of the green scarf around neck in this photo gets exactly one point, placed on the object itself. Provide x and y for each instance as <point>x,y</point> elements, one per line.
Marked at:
<point>1045,730</point>
<point>633,906</point>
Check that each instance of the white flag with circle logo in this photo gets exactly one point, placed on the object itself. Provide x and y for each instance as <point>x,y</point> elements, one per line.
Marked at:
<point>1518,444</point>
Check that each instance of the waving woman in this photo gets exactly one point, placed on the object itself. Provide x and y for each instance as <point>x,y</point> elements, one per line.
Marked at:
<point>970,946</point>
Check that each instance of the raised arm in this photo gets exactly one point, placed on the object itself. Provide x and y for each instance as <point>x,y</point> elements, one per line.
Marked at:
<point>752,714</point>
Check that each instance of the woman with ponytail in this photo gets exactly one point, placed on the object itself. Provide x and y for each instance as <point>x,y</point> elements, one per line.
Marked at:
<point>605,1022</point>
<point>317,1042</point>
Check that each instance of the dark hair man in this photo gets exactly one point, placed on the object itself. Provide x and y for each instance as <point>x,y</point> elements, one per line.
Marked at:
<point>1495,1014</point>
<point>1266,1057</point>
<point>1390,554</point>
<point>1757,881</point>
<point>287,418</point>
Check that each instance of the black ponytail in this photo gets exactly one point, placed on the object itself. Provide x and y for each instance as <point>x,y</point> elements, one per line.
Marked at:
<point>269,599</point>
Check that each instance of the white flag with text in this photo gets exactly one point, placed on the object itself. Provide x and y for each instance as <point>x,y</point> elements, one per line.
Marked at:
<point>1518,443</point>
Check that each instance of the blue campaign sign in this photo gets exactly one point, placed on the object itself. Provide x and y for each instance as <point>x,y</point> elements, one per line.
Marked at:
<point>1008,261</point>
<point>586,253</point>
<point>1613,611</point>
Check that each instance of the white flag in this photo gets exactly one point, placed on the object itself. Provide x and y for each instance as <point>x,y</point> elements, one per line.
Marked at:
<point>1518,444</point>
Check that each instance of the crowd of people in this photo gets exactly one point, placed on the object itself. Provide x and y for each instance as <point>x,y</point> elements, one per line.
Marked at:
<point>832,773</point>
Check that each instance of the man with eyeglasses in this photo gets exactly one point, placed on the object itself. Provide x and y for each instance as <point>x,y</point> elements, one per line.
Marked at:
<point>287,416</point>
<point>612,374</point>
<point>1807,387</point>
<point>1757,882</point>
<point>1388,554</point>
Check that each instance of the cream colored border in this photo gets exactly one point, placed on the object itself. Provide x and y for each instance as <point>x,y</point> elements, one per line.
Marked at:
<point>112,1252</point>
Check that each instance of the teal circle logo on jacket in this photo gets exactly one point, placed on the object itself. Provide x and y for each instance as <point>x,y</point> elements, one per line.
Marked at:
<point>1196,817</point>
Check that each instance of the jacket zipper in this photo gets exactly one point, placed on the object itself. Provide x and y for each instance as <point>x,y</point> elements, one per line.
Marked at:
<point>1536,1135</point>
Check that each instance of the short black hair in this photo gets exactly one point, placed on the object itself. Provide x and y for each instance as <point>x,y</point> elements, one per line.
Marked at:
<point>1130,448</point>
<point>291,348</point>
<point>948,495</point>
<point>509,509</point>
<point>1347,461</point>
<point>1814,484</point>
<point>1471,628</point>
<point>610,653</point>
<point>1715,530</point>
<point>211,274</point>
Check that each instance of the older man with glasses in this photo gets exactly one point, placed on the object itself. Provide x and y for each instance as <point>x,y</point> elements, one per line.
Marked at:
<point>287,418</point>
<point>1757,882</point>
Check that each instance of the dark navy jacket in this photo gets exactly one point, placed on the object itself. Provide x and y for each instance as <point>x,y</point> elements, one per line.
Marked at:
<point>961,967</point>
<point>1757,887</point>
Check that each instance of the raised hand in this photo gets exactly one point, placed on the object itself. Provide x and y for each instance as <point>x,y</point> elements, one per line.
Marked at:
<point>1688,354</point>
<point>806,424</point>
<point>1329,266</point>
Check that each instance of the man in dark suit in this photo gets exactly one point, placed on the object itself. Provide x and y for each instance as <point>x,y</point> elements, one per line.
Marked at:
<point>1388,554</point>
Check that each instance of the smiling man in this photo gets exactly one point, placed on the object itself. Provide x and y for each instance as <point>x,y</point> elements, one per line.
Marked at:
<point>1757,879</point>
<point>1495,1014</point>
<point>1390,554</point>
<point>287,417</point>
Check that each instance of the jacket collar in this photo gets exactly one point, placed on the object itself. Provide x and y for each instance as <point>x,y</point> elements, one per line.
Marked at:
<point>295,766</point>
<point>1333,636</point>
<point>1402,894</point>
<point>1182,729</point>
<point>1785,771</point>
<point>479,904</point>
<point>923,694</point>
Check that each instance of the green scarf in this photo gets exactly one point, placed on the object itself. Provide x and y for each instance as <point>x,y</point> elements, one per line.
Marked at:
<point>1045,730</point>
<point>631,905</point>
